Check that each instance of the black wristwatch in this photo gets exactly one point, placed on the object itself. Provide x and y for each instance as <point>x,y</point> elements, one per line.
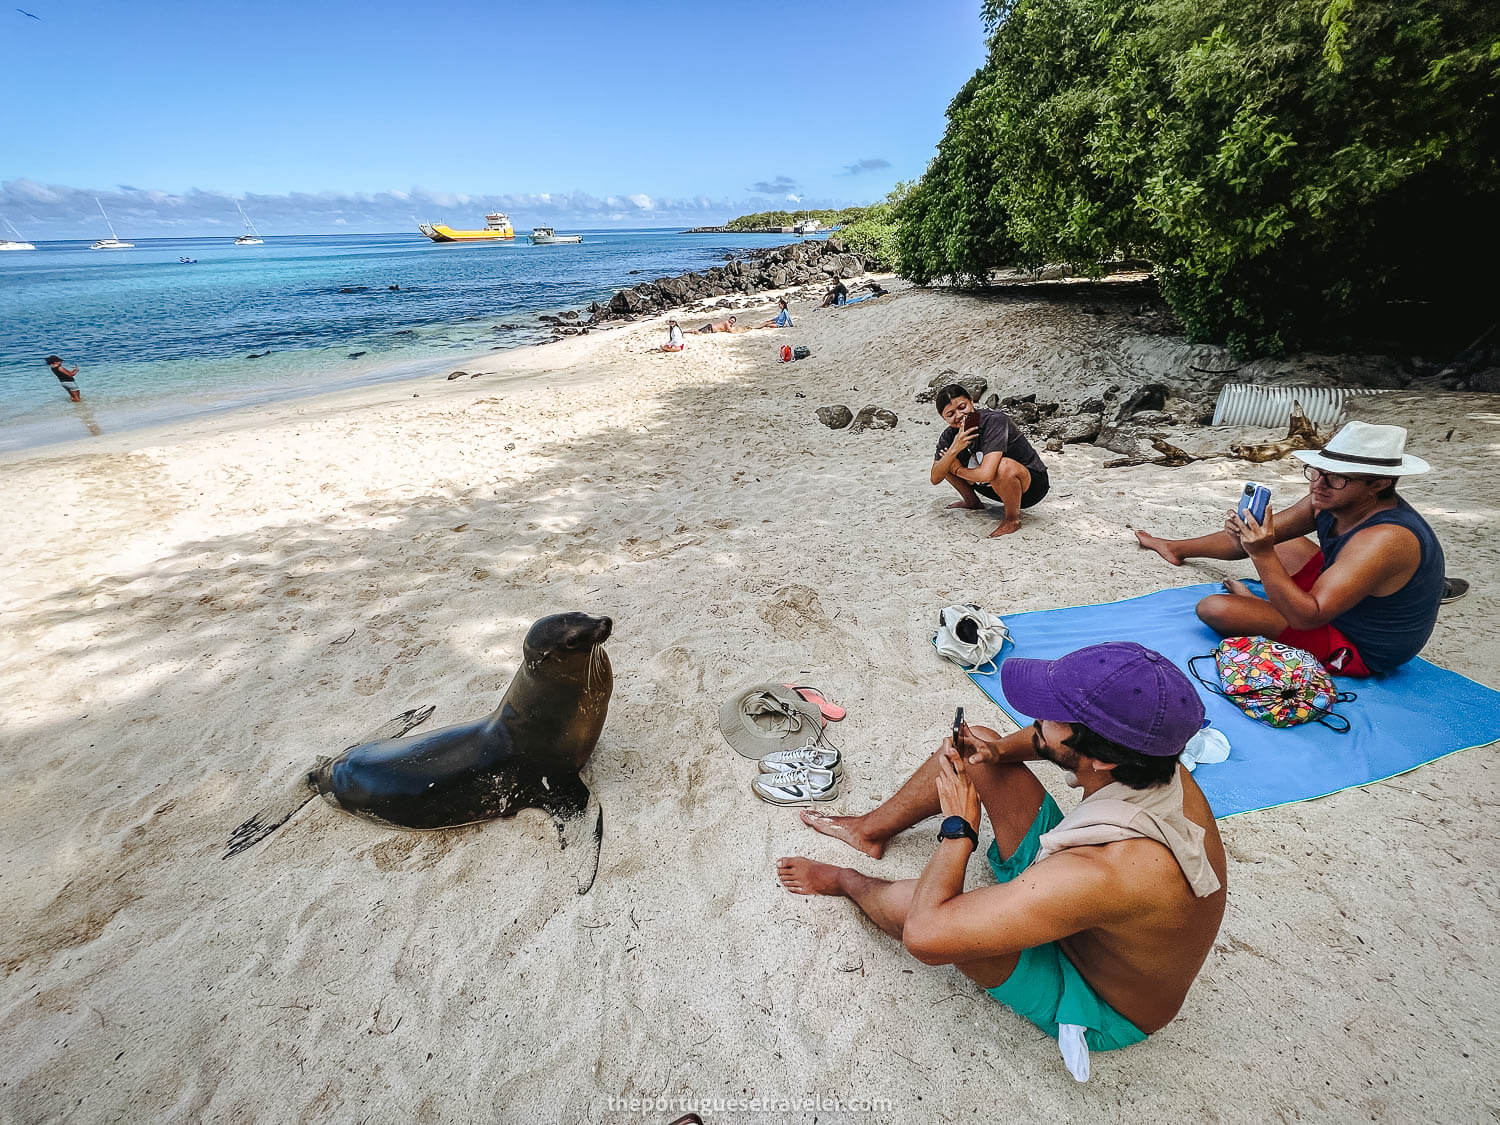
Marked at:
<point>957,828</point>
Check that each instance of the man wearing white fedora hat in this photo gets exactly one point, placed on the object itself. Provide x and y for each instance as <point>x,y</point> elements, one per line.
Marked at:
<point>1363,597</point>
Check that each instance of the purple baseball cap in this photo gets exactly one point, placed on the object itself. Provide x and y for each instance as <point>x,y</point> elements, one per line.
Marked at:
<point>1122,690</point>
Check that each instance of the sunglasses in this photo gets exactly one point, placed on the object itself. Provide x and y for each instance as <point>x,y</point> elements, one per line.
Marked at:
<point>1333,481</point>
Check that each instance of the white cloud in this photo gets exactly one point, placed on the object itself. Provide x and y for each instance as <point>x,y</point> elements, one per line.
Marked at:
<point>53,211</point>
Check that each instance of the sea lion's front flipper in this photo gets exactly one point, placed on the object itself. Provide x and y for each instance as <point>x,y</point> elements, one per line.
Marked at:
<point>402,724</point>
<point>580,826</point>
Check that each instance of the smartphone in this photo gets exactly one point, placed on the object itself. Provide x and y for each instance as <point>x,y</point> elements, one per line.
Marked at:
<point>958,731</point>
<point>1254,500</point>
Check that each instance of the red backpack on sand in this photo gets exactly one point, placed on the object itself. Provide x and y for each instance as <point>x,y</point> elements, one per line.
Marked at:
<point>786,353</point>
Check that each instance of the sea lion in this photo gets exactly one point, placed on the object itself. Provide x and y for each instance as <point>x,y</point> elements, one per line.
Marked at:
<point>524,754</point>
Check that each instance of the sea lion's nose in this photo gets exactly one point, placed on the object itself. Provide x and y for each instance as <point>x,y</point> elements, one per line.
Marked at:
<point>603,630</point>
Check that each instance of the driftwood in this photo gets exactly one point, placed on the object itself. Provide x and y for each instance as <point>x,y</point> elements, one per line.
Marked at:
<point>1171,456</point>
<point>1300,434</point>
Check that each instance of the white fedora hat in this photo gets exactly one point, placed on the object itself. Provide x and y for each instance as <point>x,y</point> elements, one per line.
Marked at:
<point>1363,449</point>
<point>763,718</point>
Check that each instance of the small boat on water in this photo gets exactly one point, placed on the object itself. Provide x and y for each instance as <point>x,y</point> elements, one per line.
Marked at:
<point>18,243</point>
<point>807,226</point>
<point>188,261</point>
<point>546,236</point>
<point>497,228</point>
<point>113,241</point>
<point>251,237</point>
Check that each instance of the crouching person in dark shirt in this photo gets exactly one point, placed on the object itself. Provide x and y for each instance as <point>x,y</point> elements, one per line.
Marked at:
<point>984,454</point>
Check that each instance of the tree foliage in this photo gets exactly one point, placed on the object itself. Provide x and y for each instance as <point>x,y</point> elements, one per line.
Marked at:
<point>1287,166</point>
<point>791,218</point>
<point>873,234</point>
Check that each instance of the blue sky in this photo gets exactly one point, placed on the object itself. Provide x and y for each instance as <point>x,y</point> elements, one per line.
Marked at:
<point>328,115</point>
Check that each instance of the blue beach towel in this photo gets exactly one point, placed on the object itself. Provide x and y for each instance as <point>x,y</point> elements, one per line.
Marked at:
<point>1415,715</point>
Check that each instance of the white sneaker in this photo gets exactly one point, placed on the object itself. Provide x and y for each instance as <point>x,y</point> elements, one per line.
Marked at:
<point>796,787</point>
<point>808,757</point>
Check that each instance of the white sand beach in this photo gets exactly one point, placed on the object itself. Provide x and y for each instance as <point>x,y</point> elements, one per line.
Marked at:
<point>192,618</point>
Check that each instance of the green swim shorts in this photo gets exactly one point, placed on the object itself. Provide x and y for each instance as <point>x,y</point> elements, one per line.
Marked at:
<point>1045,987</point>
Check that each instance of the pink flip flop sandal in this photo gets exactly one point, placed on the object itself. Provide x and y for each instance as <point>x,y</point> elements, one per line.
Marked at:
<point>831,711</point>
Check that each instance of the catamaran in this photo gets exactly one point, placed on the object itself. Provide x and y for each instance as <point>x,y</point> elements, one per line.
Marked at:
<point>251,237</point>
<point>18,243</point>
<point>112,242</point>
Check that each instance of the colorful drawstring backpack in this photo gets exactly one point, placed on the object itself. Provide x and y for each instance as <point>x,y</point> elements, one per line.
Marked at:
<point>1274,683</point>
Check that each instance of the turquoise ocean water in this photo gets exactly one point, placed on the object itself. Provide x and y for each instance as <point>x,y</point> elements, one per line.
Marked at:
<point>156,340</point>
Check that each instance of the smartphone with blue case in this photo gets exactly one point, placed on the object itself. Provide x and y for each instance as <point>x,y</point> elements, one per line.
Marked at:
<point>1254,500</point>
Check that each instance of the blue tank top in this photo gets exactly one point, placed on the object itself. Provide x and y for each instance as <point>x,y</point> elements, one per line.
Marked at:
<point>1389,631</point>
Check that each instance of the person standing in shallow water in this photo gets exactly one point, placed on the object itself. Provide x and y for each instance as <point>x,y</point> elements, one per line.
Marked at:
<point>983,453</point>
<point>65,377</point>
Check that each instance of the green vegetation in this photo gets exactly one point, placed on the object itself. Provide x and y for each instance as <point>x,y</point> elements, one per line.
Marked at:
<point>1290,168</point>
<point>873,234</point>
<point>792,218</point>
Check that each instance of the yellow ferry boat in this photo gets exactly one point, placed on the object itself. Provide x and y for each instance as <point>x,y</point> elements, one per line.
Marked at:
<point>496,226</point>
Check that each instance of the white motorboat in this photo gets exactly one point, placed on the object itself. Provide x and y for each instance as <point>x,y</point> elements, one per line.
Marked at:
<point>546,236</point>
<point>251,237</point>
<point>807,226</point>
<point>18,243</point>
<point>112,242</point>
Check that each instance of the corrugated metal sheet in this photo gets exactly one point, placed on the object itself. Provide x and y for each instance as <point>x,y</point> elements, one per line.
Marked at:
<point>1255,404</point>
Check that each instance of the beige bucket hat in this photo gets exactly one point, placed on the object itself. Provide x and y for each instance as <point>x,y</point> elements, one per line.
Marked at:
<point>763,718</point>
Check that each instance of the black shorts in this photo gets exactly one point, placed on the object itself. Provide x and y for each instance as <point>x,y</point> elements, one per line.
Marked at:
<point>1033,494</point>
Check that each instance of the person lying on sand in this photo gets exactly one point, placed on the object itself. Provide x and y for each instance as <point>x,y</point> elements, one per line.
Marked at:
<point>1120,901</point>
<point>783,317</point>
<point>730,325</point>
<point>984,453</point>
<point>674,337</point>
<point>1363,598</point>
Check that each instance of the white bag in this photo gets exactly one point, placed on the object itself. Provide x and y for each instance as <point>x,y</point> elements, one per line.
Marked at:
<point>970,637</point>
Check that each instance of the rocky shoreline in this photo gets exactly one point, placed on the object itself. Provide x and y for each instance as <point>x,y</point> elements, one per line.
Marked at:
<point>757,271</point>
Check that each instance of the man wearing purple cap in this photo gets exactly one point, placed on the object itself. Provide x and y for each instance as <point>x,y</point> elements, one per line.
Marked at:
<point>1101,919</point>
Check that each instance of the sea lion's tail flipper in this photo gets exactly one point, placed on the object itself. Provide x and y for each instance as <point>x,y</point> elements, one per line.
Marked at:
<point>580,826</point>
<point>403,723</point>
<point>270,818</point>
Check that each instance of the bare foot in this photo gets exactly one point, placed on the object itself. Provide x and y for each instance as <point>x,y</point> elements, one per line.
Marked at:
<point>803,876</point>
<point>845,828</point>
<point>1006,528</point>
<point>1152,543</point>
<point>1237,588</point>
<point>974,507</point>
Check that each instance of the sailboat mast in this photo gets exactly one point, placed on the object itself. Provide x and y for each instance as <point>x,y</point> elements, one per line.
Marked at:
<point>107,223</point>
<point>249,226</point>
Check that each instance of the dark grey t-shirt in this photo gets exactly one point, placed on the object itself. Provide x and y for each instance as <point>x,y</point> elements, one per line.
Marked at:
<point>997,434</point>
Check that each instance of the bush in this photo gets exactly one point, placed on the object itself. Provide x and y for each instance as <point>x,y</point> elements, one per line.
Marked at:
<point>873,234</point>
<point>1289,167</point>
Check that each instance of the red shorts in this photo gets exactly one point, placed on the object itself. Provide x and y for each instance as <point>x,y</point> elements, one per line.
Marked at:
<point>1334,651</point>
